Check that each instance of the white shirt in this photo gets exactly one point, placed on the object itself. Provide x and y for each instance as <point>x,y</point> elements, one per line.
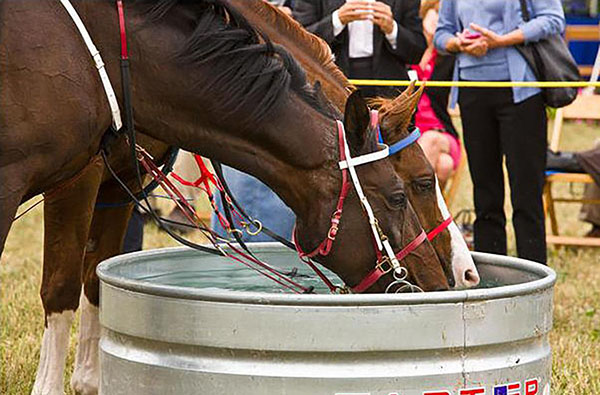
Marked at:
<point>360,34</point>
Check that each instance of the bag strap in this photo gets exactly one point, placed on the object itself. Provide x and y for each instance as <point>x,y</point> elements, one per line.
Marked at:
<point>525,11</point>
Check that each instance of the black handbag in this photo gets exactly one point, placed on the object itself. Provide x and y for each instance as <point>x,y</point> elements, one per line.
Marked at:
<point>551,60</point>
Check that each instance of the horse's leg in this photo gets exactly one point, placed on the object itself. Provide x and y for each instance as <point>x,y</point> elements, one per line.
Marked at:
<point>105,240</point>
<point>67,216</point>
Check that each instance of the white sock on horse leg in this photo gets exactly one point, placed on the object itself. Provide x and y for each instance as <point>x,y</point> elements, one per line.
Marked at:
<point>55,343</point>
<point>85,379</point>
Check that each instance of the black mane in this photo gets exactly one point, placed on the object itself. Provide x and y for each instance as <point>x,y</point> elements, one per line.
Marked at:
<point>251,74</point>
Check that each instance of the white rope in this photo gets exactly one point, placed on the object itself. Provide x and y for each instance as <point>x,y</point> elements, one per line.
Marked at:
<point>117,123</point>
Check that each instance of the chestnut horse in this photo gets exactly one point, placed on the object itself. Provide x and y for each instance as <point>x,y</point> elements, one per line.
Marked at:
<point>202,80</point>
<point>410,164</point>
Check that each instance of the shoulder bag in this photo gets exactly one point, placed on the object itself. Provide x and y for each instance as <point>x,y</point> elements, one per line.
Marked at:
<point>551,60</point>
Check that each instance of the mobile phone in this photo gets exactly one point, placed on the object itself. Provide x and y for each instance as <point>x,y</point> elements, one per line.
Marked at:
<point>472,36</point>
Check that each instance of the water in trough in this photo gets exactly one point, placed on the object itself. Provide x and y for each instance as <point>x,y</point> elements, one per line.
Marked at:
<point>216,272</point>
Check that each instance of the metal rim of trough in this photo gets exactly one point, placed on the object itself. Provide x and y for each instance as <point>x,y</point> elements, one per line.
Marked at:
<point>546,274</point>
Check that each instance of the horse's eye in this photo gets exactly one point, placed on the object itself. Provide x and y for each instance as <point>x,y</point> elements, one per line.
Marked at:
<point>398,200</point>
<point>423,185</point>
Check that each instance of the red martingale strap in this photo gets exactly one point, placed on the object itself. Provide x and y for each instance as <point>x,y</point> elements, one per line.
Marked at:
<point>413,245</point>
<point>443,226</point>
<point>325,247</point>
<point>375,274</point>
<point>369,280</point>
<point>121,12</point>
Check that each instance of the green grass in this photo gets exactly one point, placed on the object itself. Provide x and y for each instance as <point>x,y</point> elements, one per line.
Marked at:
<point>575,339</point>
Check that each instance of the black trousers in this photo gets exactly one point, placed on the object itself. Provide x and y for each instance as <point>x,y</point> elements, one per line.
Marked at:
<point>362,69</point>
<point>496,128</point>
<point>134,238</point>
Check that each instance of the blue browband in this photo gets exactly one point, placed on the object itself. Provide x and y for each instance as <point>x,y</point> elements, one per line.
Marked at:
<point>405,142</point>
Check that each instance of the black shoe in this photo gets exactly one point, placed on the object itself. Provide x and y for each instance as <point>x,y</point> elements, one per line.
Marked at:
<point>565,162</point>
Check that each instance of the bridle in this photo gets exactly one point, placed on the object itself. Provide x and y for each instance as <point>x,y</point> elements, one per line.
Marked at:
<point>387,260</point>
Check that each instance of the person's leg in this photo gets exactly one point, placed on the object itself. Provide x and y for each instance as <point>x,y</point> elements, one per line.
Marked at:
<point>134,237</point>
<point>482,143</point>
<point>523,135</point>
<point>591,212</point>
<point>437,149</point>
<point>185,166</point>
<point>433,144</point>
<point>444,168</point>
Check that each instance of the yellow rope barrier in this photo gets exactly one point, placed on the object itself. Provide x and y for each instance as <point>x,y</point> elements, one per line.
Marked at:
<point>480,84</point>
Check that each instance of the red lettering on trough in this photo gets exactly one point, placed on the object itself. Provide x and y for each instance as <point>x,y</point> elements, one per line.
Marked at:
<point>531,387</point>
<point>473,391</point>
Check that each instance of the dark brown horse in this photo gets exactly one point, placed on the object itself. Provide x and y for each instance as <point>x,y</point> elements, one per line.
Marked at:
<point>410,164</point>
<point>201,80</point>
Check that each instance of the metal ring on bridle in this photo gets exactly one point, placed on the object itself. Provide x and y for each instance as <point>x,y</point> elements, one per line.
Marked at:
<point>257,224</point>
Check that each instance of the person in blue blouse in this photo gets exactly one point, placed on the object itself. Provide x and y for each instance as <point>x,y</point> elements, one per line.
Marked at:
<point>501,124</point>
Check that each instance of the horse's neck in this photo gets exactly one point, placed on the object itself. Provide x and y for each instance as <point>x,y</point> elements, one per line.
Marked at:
<point>294,152</point>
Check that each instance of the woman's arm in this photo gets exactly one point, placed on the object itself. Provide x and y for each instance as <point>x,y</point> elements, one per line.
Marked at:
<point>445,35</point>
<point>547,19</point>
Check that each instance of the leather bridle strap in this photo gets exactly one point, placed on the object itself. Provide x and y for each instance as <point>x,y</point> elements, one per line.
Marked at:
<point>440,228</point>
<point>379,271</point>
<point>122,31</point>
<point>324,248</point>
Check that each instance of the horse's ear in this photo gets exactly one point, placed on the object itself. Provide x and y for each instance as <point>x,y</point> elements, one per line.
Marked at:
<point>356,121</point>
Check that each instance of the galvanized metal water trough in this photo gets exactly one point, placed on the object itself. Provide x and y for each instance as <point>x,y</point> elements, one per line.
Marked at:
<point>198,339</point>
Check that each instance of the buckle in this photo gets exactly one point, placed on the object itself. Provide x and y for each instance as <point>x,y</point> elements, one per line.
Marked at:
<point>381,265</point>
<point>335,222</point>
<point>332,232</point>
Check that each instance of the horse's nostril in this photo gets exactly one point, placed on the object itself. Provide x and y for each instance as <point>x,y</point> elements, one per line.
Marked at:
<point>471,277</point>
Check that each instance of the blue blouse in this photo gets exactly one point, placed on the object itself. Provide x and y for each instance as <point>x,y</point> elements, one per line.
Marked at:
<point>259,202</point>
<point>547,19</point>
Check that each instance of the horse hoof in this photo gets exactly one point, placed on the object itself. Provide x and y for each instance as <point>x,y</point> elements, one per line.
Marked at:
<point>83,387</point>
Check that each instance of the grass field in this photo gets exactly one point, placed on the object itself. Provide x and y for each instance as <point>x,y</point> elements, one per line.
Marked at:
<point>575,339</point>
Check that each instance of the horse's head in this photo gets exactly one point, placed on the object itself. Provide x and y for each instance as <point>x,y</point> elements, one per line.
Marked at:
<point>423,189</point>
<point>354,252</point>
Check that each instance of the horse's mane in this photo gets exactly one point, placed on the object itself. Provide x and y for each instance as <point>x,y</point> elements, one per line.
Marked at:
<point>312,44</point>
<point>399,111</point>
<point>250,75</point>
